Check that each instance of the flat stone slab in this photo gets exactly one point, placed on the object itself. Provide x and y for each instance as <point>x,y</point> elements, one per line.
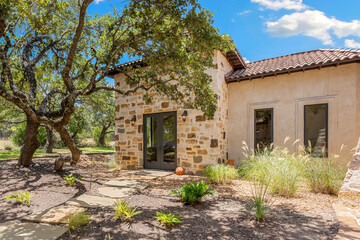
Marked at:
<point>115,192</point>
<point>127,184</point>
<point>30,231</point>
<point>153,173</point>
<point>90,201</point>
<point>55,215</point>
<point>349,222</point>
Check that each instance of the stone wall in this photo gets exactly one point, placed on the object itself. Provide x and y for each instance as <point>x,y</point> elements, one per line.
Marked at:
<point>350,191</point>
<point>200,142</point>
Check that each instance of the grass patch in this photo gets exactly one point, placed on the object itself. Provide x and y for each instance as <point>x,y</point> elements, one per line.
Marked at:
<point>324,176</point>
<point>15,154</point>
<point>220,173</point>
<point>78,220</point>
<point>283,170</point>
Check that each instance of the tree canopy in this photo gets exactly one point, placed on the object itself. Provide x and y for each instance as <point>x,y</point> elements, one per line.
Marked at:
<point>52,52</point>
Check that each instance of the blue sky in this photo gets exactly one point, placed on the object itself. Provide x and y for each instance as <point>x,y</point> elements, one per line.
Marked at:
<point>269,28</point>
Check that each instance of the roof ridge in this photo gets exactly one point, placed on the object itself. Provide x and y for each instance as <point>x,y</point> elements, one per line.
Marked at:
<point>314,50</point>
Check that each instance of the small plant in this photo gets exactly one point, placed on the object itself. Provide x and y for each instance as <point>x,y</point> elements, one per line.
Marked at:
<point>168,219</point>
<point>70,179</point>
<point>324,176</point>
<point>23,198</point>
<point>259,203</point>
<point>111,164</point>
<point>220,173</point>
<point>77,220</point>
<point>108,237</point>
<point>191,193</point>
<point>125,212</point>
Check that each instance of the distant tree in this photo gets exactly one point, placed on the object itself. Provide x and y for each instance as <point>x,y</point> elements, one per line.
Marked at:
<point>52,53</point>
<point>100,108</point>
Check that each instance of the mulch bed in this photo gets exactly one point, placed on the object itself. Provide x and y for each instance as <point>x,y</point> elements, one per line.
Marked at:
<point>225,216</point>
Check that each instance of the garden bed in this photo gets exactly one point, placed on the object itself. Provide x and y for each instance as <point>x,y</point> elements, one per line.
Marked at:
<point>224,216</point>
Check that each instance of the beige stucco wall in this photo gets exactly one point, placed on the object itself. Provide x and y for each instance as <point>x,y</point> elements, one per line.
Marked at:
<point>287,94</point>
<point>200,142</point>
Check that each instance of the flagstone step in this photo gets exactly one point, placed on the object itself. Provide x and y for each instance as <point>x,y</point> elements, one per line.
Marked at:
<point>30,231</point>
<point>127,184</point>
<point>90,201</point>
<point>152,173</point>
<point>55,215</point>
<point>117,192</point>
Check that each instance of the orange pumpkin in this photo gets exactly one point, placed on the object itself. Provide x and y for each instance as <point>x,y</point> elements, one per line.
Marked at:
<point>179,171</point>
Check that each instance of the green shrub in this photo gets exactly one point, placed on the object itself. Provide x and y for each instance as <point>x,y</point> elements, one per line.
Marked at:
<point>23,198</point>
<point>77,220</point>
<point>324,176</point>
<point>259,203</point>
<point>284,169</point>
<point>70,179</point>
<point>125,212</point>
<point>192,192</point>
<point>19,133</point>
<point>168,219</point>
<point>220,173</point>
<point>111,163</point>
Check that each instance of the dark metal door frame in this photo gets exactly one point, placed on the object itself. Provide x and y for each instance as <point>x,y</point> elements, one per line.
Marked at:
<point>326,124</point>
<point>272,124</point>
<point>160,163</point>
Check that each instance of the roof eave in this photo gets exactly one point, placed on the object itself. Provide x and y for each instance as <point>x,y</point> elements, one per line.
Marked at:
<point>288,71</point>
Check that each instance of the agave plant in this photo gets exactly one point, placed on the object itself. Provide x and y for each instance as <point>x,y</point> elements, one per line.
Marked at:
<point>193,192</point>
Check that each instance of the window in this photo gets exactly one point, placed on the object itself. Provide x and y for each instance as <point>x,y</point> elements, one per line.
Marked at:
<point>316,129</point>
<point>263,128</point>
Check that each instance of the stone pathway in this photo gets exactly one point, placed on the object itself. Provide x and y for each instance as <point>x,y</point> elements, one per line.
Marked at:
<point>112,190</point>
<point>349,220</point>
<point>30,231</point>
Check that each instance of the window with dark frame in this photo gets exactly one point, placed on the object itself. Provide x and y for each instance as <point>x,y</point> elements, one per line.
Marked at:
<point>316,129</point>
<point>264,128</point>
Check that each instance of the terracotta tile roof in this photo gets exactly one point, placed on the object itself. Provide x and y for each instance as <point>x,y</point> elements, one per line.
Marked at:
<point>234,58</point>
<point>294,62</point>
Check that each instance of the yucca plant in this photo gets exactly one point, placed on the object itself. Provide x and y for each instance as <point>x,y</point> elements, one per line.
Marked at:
<point>23,198</point>
<point>124,212</point>
<point>220,173</point>
<point>193,192</point>
<point>260,203</point>
<point>168,219</point>
<point>70,179</point>
<point>77,220</point>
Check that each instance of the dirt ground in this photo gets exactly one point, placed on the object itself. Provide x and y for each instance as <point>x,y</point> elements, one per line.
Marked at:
<point>224,216</point>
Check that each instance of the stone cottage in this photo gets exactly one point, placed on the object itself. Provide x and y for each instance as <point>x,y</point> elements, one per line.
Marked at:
<point>312,96</point>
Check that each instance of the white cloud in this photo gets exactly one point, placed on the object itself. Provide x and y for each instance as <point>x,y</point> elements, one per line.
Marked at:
<point>244,12</point>
<point>246,60</point>
<point>314,24</point>
<point>351,43</point>
<point>282,4</point>
<point>233,20</point>
<point>98,1</point>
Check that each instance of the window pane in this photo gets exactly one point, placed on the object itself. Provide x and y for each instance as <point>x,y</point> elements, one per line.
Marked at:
<point>263,128</point>
<point>151,139</point>
<point>316,129</point>
<point>169,138</point>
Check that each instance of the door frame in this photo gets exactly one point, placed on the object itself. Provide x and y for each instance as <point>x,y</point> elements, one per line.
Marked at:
<point>145,116</point>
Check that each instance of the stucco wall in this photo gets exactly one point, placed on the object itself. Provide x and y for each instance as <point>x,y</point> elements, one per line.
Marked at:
<point>287,94</point>
<point>200,142</point>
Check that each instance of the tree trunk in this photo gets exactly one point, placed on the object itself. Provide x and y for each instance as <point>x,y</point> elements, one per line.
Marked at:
<point>49,146</point>
<point>30,142</point>
<point>75,151</point>
<point>102,136</point>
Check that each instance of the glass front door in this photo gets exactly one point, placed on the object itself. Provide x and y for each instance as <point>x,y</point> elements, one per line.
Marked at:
<point>160,141</point>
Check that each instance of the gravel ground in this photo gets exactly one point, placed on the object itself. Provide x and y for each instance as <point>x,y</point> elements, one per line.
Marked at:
<point>224,216</point>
